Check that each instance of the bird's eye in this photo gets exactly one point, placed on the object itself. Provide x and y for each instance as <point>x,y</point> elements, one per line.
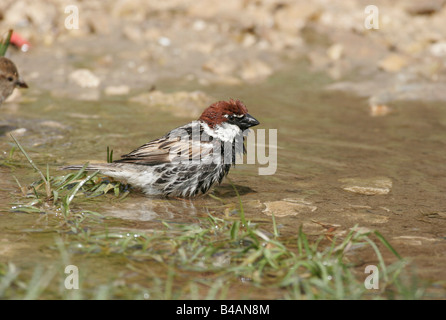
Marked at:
<point>10,79</point>
<point>232,117</point>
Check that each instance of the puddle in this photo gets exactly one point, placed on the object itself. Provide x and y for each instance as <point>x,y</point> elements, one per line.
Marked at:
<point>325,140</point>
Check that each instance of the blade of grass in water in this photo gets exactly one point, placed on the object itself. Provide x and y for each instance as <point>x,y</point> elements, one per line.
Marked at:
<point>109,155</point>
<point>242,211</point>
<point>73,178</point>
<point>31,162</point>
<point>79,185</point>
<point>276,231</point>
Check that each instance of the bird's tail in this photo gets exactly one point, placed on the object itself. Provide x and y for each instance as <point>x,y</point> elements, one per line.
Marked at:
<point>102,167</point>
<point>120,171</point>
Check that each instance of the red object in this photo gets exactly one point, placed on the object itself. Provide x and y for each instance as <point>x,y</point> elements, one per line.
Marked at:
<point>20,42</point>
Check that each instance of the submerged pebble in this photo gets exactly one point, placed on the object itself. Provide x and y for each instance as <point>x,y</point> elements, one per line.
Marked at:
<point>367,186</point>
<point>117,90</point>
<point>288,207</point>
<point>84,78</point>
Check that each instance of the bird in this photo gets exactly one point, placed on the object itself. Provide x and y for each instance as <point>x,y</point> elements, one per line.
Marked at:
<point>9,78</point>
<point>188,160</point>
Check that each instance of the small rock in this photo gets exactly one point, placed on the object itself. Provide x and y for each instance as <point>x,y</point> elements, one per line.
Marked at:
<point>318,60</point>
<point>254,69</point>
<point>393,63</point>
<point>379,110</point>
<point>84,78</point>
<point>132,33</point>
<point>438,49</point>
<point>181,104</point>
<point>18,132</point>
<point>288,207</point>
<point>53,124</point>
<point>117,90</point>
<point>199,25</point>
<point>164,41</point>
<point>370,186</point>
<point>248,40</point>
<point>413,240</point>
<point>335,51</point>
<point>220,66</point>
<point>293,16</point>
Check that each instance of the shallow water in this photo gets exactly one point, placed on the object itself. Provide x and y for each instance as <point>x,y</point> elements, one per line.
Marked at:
<point>323,138</point>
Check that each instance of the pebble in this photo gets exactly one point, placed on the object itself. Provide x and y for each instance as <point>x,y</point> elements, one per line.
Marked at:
<point>18,132</point>
<point>181,104</point>
<point>393,63</point>
<point>379,110</point>
<point>413,240</point>
<point>367,186</point>
<point>220,66</point>
<point>254,69</point>
<point>84,78</point>
<point>438,49</point>
<point>335,51</point>
<point>288,207</point>
<point>117,90</point>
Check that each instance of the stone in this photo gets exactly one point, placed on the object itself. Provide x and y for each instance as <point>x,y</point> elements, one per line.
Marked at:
<point>133,33</point>
<point>288,207</point>
<point>335,51</point>
<point>18,132</point>
<point>254,70</point>
<point>84,78</point>
<point>367,186</point>
<point>438,49</point>
<point>220,66</point>
<point>117,90</point>
<point>293,16</point>
<point>413,240</point>
<point>181,104</point>
<point>379,110</point>
<point>393,63</point>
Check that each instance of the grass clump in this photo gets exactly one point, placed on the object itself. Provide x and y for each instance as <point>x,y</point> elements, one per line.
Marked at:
<point>61,190</point>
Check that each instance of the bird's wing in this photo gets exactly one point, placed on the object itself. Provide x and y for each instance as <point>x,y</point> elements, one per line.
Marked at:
<point>177,145</point>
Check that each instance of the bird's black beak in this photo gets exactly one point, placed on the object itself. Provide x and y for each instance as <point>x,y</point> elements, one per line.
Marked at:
<point>247,121</point>
<point>21,84</point>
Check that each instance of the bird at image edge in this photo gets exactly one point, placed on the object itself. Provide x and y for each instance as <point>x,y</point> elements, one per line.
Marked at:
<point>9,78</point>
<point>164,166</point>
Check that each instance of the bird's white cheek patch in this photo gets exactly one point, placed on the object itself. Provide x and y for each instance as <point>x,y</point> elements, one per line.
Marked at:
<point>226,132</point>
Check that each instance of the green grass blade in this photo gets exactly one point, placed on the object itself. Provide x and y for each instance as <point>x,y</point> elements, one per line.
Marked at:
<point>31,162</point>
<point>387,244</point>
<point>5,44</point>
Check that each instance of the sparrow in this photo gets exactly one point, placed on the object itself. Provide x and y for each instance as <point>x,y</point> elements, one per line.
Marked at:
<point>9,78</point>
<point>188,160</point>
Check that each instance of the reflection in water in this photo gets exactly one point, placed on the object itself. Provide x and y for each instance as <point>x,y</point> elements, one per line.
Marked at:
<point>148,209</point>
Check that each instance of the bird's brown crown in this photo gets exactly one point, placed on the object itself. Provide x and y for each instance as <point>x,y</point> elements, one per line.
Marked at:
<point>218,112</point>
<point>7,67</point>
